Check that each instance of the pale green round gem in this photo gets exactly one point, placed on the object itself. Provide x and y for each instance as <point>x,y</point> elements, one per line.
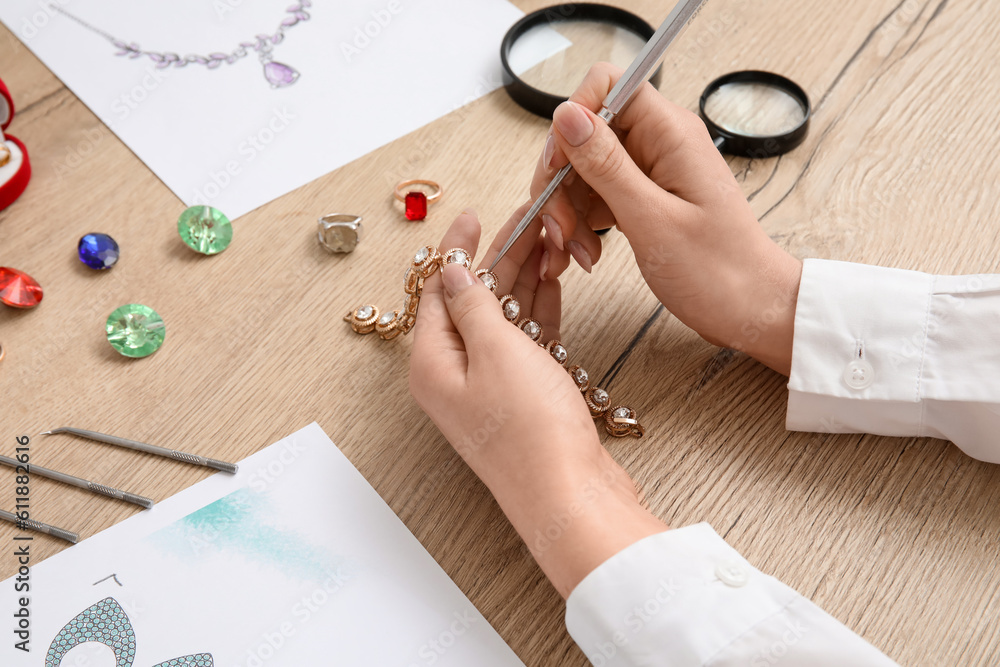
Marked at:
<point>205,229</point>
<point>135,330</point>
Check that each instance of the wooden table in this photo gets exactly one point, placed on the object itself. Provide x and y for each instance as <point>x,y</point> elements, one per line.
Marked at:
<point>897,538</point>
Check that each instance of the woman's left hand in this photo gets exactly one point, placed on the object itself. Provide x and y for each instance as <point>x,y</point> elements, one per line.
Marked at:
<point>514,414</point>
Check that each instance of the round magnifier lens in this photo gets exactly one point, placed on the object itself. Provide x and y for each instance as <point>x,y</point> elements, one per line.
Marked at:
<point>549,52</point>
<point>756,114</point>
<point>754,109</point>
<point>567,50</point>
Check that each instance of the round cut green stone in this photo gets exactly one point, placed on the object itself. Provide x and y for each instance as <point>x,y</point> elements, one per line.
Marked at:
<point>205,229</point>
<point>135,330</point>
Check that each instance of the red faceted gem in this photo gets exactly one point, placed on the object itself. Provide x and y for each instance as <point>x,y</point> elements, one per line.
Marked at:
<point>416,206</point>
<point>18,289</point>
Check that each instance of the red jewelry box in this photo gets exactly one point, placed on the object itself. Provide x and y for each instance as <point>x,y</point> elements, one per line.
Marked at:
<point>14,175</point>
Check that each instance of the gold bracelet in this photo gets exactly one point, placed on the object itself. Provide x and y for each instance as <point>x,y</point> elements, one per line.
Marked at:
<point>619,421</point>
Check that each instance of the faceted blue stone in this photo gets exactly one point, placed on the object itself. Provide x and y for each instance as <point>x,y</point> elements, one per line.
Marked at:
<point>98,251</point>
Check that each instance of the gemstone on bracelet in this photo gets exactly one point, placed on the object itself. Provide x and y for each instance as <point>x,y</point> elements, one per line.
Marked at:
<point>511,310</point>
<point>98,251</point>
<point>386,319</point>
<point>600,396</point>
<point>580,376</point>
<point>364,312</point>
<point>622,413</point>
<point>205,229</point>
<point>421,255</point>
<point>135,330</point>
<point>559,353</point>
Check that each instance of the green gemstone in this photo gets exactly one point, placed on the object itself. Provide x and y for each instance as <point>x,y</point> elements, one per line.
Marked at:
<point>205,229</point>
<point>135,330</point>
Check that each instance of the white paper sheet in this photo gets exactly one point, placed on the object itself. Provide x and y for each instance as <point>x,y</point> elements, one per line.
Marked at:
<point>370,72</point>
<point>294,561</point>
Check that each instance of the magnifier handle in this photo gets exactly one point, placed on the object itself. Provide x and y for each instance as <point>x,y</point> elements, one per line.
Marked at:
<point>720,143</point>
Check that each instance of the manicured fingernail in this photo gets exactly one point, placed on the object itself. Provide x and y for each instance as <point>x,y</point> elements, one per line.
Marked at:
<point>456,279</point>
<point>581,255</point>
<point>550,149</point>
<point>553,229</point>
<point>573,123</point>
<point>544,266</point>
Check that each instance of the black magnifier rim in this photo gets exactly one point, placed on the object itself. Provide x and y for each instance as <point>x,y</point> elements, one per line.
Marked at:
<point>538,101</point>
<point>758,146</point>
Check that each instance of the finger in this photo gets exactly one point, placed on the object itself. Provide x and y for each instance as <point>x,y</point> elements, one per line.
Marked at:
<point>606,166</point>
<point>474,311</point>
<point>585,247</point>
<point>435,336</point>
<point>510,264</point>
<point>554,261</point>
<point>547,309</point>
<point>528,277</point>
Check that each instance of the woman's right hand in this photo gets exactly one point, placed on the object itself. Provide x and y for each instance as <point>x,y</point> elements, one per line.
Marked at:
<point>657,176</point>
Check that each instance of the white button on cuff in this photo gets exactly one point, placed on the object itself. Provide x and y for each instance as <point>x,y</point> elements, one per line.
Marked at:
<point>859,374</point>
<point>732,573</point>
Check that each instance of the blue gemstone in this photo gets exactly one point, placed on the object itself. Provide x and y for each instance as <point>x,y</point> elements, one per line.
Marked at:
<point>98,251</point>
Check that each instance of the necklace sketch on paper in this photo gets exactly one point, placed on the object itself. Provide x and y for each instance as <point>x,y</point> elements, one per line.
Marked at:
<point>279,75</point>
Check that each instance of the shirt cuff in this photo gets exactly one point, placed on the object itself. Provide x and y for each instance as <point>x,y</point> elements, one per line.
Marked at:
<point>858,350</point>
<point>685,597</point>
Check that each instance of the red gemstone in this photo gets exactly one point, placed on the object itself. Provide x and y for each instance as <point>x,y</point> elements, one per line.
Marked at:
<point>18,289</point>
<point>416,206</point>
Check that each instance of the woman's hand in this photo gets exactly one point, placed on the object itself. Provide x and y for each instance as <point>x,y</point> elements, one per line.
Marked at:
<point>657,176</point>
<point>515,415</point>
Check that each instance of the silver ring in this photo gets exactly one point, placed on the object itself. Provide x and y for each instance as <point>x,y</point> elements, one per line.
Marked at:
<point>340,232</point>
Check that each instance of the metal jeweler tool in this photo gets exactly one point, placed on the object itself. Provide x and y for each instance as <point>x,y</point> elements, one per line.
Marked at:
<point>193,459</point>
<point>79,482</point>
<point>38,526</point>
<point>634,77</point>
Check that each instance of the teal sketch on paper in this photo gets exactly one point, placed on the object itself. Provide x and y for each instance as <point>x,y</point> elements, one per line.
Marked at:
<point>107,623</point>
<point>244,523</point>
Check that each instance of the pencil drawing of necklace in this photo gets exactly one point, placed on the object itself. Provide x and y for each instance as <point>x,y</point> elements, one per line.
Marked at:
<point>277,74</point>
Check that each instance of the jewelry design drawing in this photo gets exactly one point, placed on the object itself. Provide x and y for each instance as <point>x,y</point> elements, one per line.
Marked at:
<point>279,75</point>
<point>107,623</point>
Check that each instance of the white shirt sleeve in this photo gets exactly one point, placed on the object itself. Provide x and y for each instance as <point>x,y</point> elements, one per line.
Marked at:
<point>896,352</point>
<point>685,597</point>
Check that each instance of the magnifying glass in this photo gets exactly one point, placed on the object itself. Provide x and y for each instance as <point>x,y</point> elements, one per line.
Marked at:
<point>755,114</point>
<point>548,53</point>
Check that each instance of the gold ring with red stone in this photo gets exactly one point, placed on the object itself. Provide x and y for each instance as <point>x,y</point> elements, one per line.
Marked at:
<point>387,326</point>
<point>597,400</point>
<point>425,261</point>
<point>488,278</point>
<point>363,319</point>
<point>415,202</point>
<point>457,256</point>
<point>580,377</point>
<point>622,421</point>
<point>558,351</point>
<point>5,156</point>
<point>531,328</point>
<point>511,308</point>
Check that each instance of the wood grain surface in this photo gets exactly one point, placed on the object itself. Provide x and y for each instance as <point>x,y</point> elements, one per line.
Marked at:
<point>898,538</point>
